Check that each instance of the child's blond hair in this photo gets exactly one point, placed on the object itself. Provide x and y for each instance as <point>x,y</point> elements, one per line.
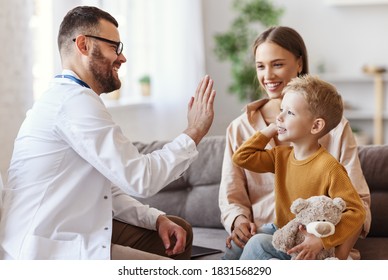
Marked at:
<point>322,98</point>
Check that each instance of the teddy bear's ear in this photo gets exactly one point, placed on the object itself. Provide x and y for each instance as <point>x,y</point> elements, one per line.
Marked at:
<point>298,205</point>
<point>339,203</point>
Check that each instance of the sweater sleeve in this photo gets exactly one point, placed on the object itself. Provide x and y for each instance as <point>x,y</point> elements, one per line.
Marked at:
<point>354,215</point>
<point>253,156</point>
<point>340,142</point>
<point>132,211</point>
<point>87,127</point>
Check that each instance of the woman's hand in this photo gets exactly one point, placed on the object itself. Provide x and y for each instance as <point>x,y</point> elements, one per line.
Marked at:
<point>243,230</point>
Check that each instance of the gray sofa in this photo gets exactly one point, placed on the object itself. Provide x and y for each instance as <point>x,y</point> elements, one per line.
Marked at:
<point>194,196</point>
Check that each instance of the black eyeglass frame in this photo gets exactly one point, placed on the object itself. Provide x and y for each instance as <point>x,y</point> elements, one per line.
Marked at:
<point>119,45</point>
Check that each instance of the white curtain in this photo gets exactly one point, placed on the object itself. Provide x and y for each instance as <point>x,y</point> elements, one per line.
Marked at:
<point>176,59</point>
<point>177,56</point>
<point>16,73</point>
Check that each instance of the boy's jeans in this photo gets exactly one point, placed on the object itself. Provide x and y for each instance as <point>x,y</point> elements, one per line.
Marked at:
<point>258,247</point>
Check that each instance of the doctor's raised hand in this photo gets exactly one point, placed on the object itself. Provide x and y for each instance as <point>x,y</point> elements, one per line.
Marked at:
<point>200,110</point>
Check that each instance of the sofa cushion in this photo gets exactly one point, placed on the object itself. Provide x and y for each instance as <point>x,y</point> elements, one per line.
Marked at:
<point>211,238</point>
<point>206,170</point>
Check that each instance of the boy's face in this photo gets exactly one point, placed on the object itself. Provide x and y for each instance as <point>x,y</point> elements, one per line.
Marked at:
<point>295,119</point>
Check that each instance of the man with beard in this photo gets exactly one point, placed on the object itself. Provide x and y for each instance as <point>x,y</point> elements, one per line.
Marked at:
<point>72,171</point>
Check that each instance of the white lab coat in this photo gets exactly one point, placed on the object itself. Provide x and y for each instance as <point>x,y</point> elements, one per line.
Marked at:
<point>72,167</point>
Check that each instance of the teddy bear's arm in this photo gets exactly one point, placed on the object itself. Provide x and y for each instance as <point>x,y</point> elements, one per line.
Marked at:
<point>284,238</point>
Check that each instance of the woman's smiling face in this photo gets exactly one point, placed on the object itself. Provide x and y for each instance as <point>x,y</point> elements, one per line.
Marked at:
<point>275,67</point>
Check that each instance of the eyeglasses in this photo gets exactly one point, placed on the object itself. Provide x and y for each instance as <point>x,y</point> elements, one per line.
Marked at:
<point>119,45</point>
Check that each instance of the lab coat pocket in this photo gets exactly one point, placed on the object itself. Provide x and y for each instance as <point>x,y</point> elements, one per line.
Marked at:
<point>41,248</point>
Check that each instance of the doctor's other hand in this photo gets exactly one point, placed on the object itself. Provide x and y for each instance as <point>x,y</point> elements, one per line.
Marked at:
<point>173,236</point>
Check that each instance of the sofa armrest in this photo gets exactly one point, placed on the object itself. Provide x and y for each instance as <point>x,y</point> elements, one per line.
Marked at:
<point>374,159</point>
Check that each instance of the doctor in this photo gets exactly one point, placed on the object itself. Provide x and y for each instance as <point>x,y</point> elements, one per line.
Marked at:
<point>72,171</point>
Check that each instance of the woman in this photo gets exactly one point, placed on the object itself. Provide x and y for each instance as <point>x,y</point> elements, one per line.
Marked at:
<point>246,198</point>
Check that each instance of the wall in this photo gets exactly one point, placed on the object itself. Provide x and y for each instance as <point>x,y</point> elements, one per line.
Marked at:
<point>343,38</point>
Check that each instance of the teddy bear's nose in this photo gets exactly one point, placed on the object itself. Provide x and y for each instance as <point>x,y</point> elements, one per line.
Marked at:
<point>320,229</point>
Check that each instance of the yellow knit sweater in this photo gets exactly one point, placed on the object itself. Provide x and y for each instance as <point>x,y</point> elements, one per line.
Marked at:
<point>320,174</point>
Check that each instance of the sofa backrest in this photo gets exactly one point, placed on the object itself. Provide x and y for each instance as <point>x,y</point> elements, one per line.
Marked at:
<point>194,196</point>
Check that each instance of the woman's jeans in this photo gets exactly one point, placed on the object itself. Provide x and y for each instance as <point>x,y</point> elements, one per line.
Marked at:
<point>258,247</point>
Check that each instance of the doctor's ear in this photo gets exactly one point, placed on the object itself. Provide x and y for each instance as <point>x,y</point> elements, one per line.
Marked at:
<point>318,126</point>
<point>81,44</point>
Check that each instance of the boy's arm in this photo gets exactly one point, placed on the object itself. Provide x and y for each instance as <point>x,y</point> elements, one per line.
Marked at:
<point>252,154</point>
<point>309,248</point>
<point>348,229</point>
<point>354,215</point>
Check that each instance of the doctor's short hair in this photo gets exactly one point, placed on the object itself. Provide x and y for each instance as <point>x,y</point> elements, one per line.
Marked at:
<point>322,98</point>
<point>81,20</point>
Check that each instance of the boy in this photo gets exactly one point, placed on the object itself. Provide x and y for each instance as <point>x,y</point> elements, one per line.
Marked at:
<point>310,108</point>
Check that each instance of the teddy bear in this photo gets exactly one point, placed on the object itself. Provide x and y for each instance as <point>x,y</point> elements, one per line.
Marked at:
<point>319,214</point>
